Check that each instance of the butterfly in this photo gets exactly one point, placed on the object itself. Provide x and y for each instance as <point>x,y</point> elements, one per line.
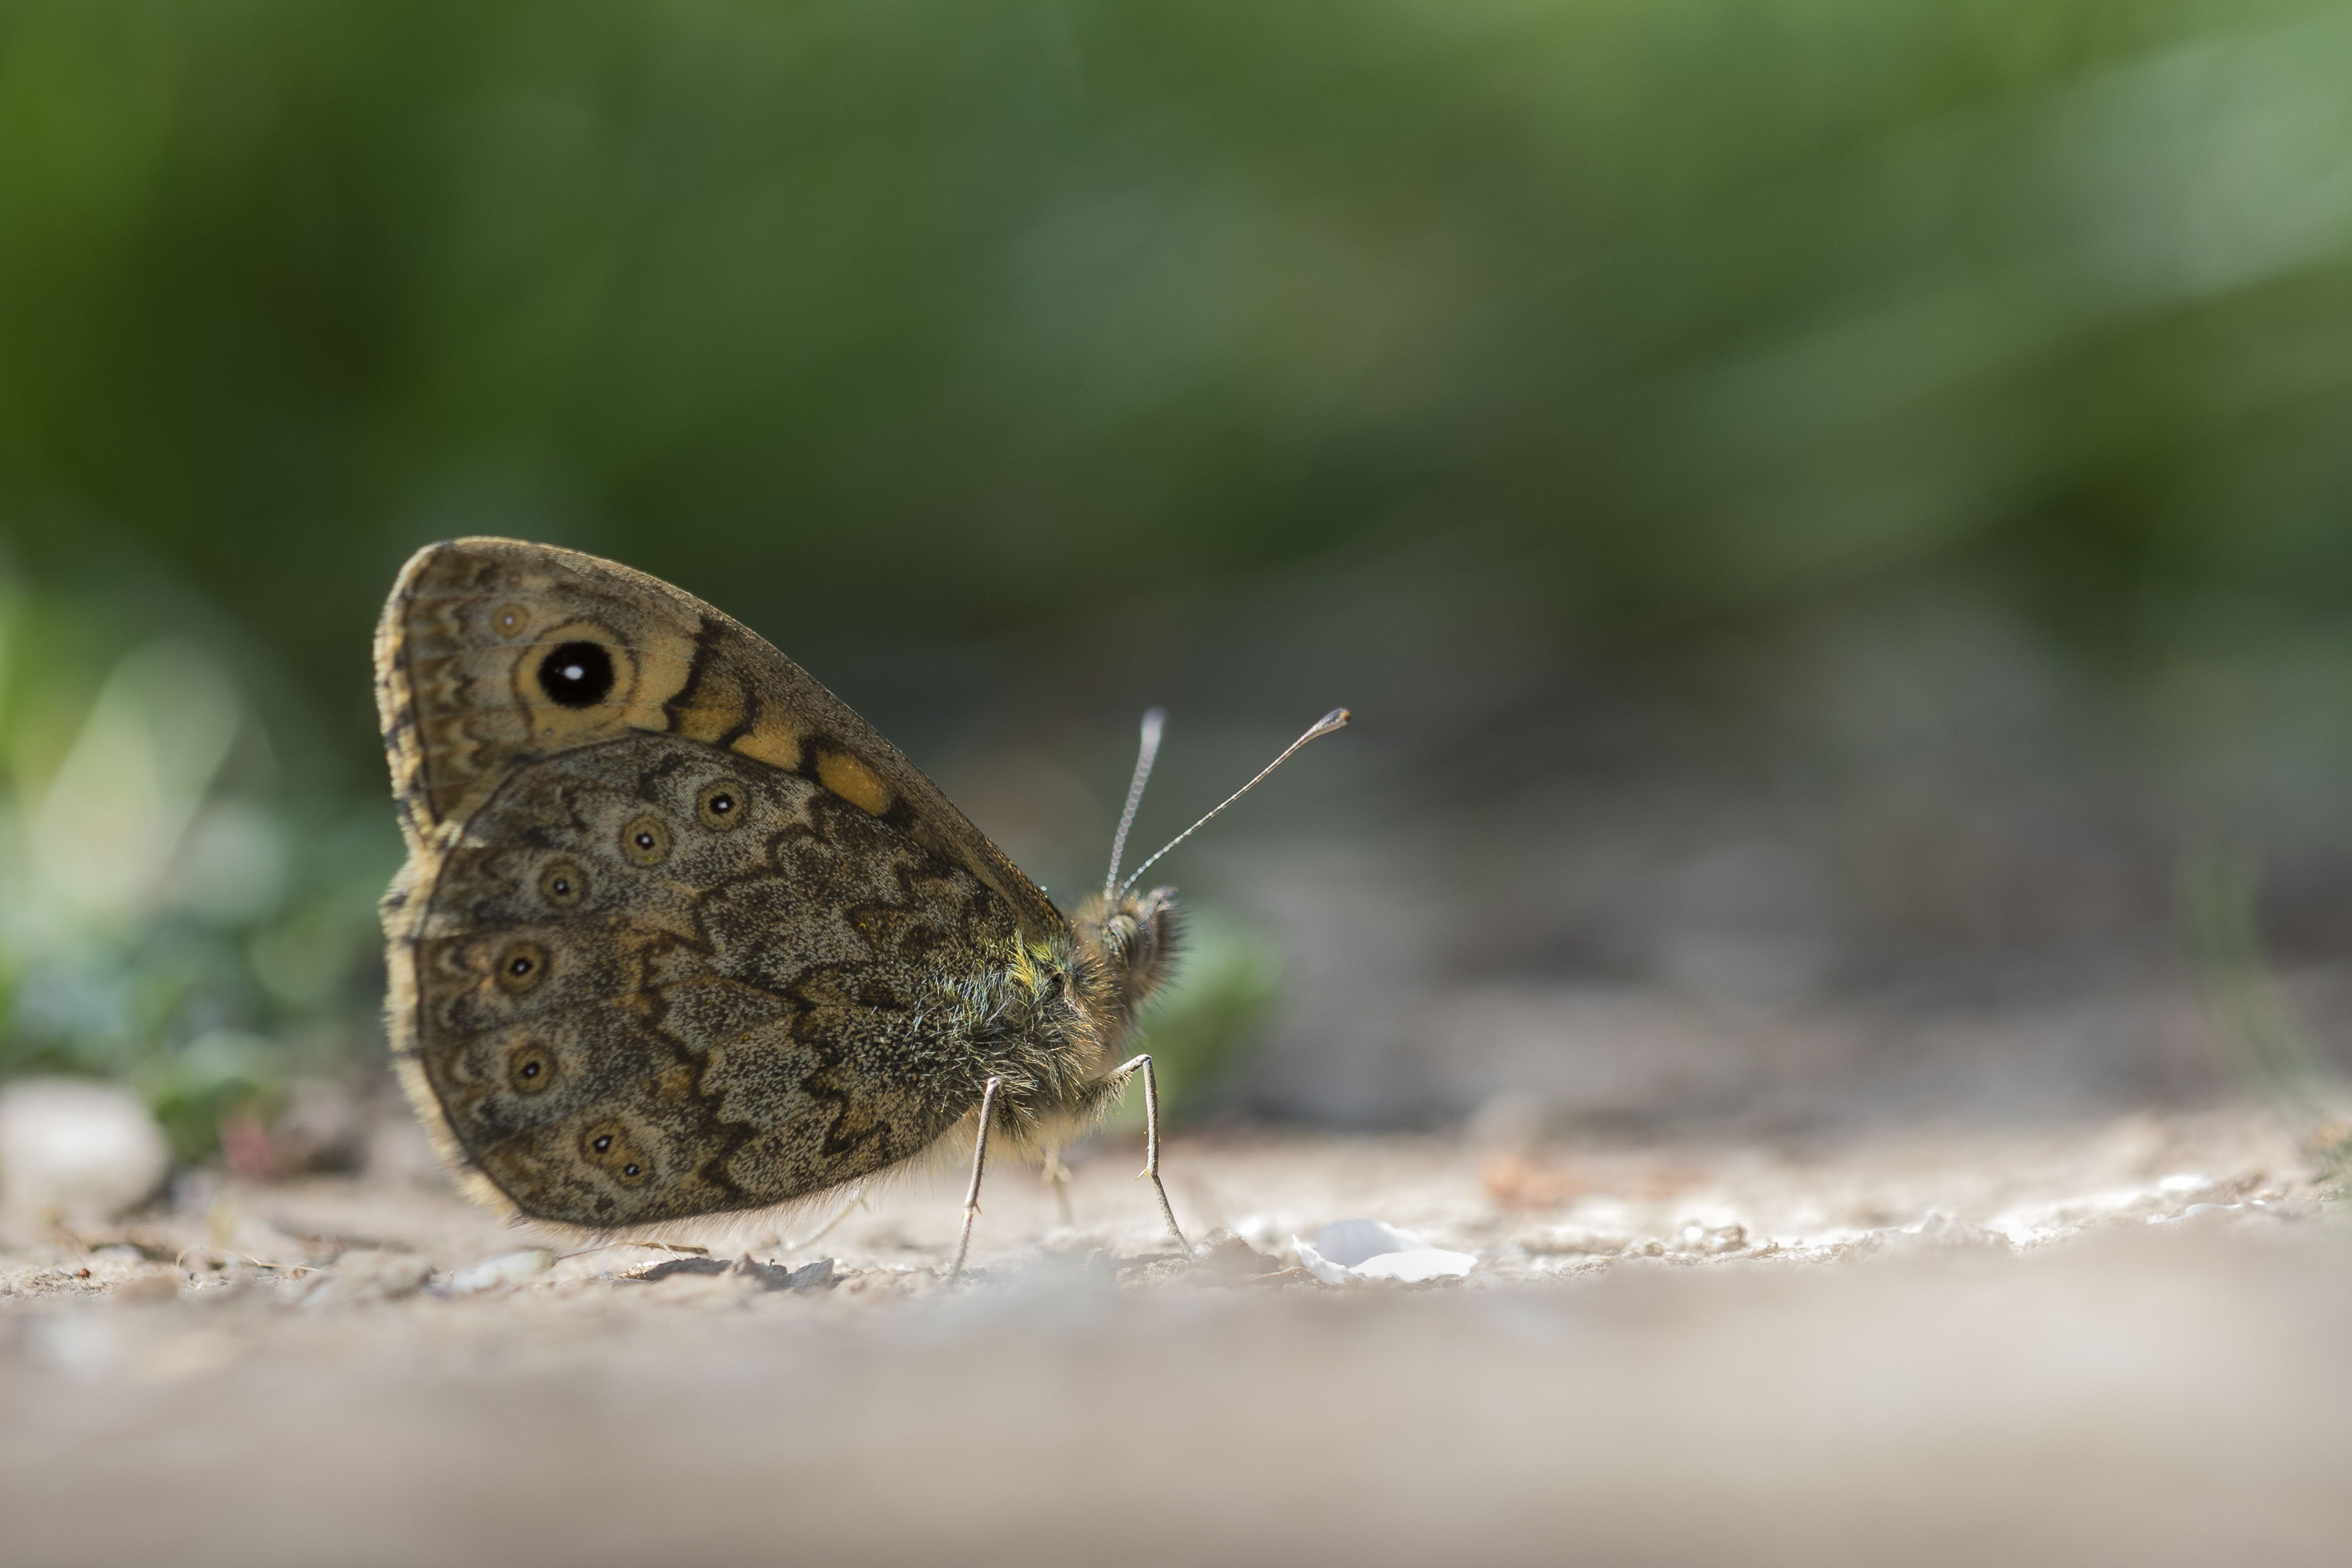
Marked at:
<point>680,934</point>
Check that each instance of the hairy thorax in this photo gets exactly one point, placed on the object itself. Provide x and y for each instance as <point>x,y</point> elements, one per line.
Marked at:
<point>1051,1021</point>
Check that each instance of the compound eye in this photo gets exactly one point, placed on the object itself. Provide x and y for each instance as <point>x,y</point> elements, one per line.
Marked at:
<point>645,841</point>
<point>719,805</point>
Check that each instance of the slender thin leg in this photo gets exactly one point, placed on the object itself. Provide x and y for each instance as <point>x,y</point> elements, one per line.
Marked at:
<point>979,1164</point>
<point>1152,1143</point>
<point>1057,1176</point>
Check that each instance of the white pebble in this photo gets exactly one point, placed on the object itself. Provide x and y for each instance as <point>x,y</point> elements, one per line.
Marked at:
<point>1373,1250</point>
<point>502,1272</point>
<point>75,1150</point>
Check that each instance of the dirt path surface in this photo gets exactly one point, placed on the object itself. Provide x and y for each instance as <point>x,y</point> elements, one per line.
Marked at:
<point>2109,1342</point>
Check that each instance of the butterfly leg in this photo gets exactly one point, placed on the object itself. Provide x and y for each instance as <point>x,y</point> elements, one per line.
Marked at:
<point>979,1164</point>
<point>1057,1176</point>
<point>1151,1141</point>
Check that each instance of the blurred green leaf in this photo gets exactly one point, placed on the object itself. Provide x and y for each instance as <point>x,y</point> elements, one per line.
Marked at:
<point>1228,984</point>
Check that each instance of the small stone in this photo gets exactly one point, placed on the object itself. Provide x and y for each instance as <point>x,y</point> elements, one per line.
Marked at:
<point>1713,1241</point>
<point>1347,1250</point>
<point>820,1275</point>
<point>1151,1269</point>
<point>672,1267</point>
<point>370,1277</point>
<point>1945,1231</point>
<point>1233,1260</point>
<point>766,1276</point>
<point>507,1270</point>
<point>77,1151</point>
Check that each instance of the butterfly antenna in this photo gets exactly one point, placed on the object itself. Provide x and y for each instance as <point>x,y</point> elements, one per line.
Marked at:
<point>1154,721</point>
<point>1337,718</point>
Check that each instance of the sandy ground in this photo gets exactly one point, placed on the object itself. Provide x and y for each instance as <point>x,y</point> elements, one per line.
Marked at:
<point>2118,1342</point>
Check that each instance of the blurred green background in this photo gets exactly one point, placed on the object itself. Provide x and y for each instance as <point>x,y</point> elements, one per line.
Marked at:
<point>1905,439</point>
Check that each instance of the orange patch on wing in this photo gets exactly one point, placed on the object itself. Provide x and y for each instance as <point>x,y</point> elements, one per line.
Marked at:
<point>853,782</point>
<point>717,709</point>
<point>771,741</point>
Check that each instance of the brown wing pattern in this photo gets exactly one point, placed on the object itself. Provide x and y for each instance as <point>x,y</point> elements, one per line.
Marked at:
<point>655,979</point>
<point>462,659</point>
<point>737,1010</point>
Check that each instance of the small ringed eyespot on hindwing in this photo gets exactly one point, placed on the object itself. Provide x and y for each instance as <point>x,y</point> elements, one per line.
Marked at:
<point>522,967</point>
<point>718,805</point>
<point>576,675</point>
<point>610,1146</point>
<point>563,884</point>
<point>509,620</point>
<point>531,1069</point>
<point>645,839</point>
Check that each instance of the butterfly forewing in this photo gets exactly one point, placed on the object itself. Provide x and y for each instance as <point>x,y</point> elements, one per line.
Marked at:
<point>493,653</point>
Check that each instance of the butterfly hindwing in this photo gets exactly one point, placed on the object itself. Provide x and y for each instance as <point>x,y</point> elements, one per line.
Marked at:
<point>654,980</point>
<point>676,924</point>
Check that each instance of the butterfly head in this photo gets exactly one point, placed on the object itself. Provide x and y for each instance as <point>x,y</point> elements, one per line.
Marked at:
<point>1133,937</point>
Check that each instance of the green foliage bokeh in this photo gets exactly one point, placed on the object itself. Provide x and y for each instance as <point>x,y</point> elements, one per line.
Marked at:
<point>950,320</point>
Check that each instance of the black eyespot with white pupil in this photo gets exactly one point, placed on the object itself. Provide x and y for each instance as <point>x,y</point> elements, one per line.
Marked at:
<point>521,967</point>
<point>576,675</point>
<point>645,840</point>
<point>605,1144</point>
<point>563,884</point>
<point>718,805</point>
<point>531,1069</point>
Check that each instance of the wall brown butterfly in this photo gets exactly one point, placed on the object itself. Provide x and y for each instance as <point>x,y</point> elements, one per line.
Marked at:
<point>680,934</point>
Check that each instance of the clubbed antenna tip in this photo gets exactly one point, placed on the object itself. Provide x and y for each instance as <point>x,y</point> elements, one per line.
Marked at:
<point>1336,719</point>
